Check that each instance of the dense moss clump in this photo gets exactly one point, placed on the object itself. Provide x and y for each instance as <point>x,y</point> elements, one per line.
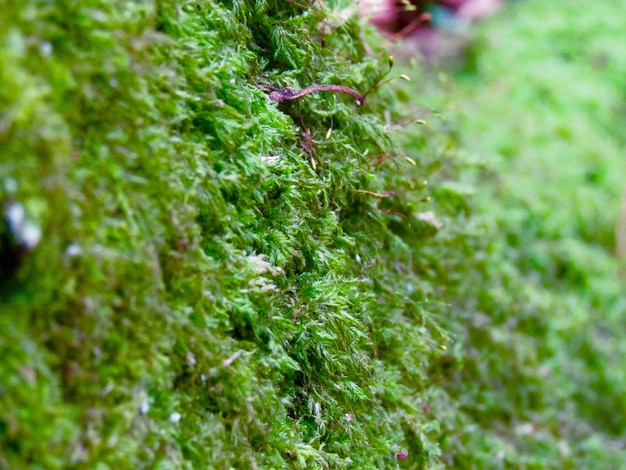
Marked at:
<point>216,282</point>
<point>197,276</point>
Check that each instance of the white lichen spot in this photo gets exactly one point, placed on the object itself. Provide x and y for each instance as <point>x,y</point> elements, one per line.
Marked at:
<point>191,359</point>
<point>430,217</point>
<point>270,159</point>
<point>175,417</point>
<point>16,42</point>
<point>15,215</point>
<point>45,48</point>
<point>10,185</point>
<point>73,249</point>
<point>31,236</point>
<point>26,233</point>
<point>144,407</point>
<point>525,429</point>
<point>564,448</point>
<point>261,266</point>
<point>264,283</point>
<point>98,15</point>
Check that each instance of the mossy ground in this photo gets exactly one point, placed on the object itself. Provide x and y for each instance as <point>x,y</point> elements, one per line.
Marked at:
<point>224,282</point>
<point>533,128</point>
<point>212,285</point>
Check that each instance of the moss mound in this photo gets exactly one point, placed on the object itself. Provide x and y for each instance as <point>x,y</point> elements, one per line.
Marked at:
<point>213,284</point>
<point>196,276</point>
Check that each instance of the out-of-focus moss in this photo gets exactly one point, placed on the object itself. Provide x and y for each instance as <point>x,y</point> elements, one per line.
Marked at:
<point>534,173</point>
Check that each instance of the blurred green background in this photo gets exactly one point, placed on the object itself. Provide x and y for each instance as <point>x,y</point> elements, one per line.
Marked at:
<point>533,132</point>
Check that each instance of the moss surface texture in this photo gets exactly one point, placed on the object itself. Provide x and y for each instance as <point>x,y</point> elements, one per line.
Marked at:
<point>197,276</point>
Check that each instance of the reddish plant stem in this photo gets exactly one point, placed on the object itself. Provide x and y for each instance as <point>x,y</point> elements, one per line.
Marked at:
<point>288,93</point>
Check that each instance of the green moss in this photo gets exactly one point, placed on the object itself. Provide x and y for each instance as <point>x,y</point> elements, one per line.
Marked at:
<point>227,282</point>
<point>207,256</point>
<point>532,178</point>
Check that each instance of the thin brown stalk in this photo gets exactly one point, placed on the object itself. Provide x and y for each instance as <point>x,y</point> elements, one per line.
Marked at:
<point>288,93</point>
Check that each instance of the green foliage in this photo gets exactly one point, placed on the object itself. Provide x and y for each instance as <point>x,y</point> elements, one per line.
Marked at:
<point>212,286</point>
<point>532,178</point>
<point>222,281</point>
